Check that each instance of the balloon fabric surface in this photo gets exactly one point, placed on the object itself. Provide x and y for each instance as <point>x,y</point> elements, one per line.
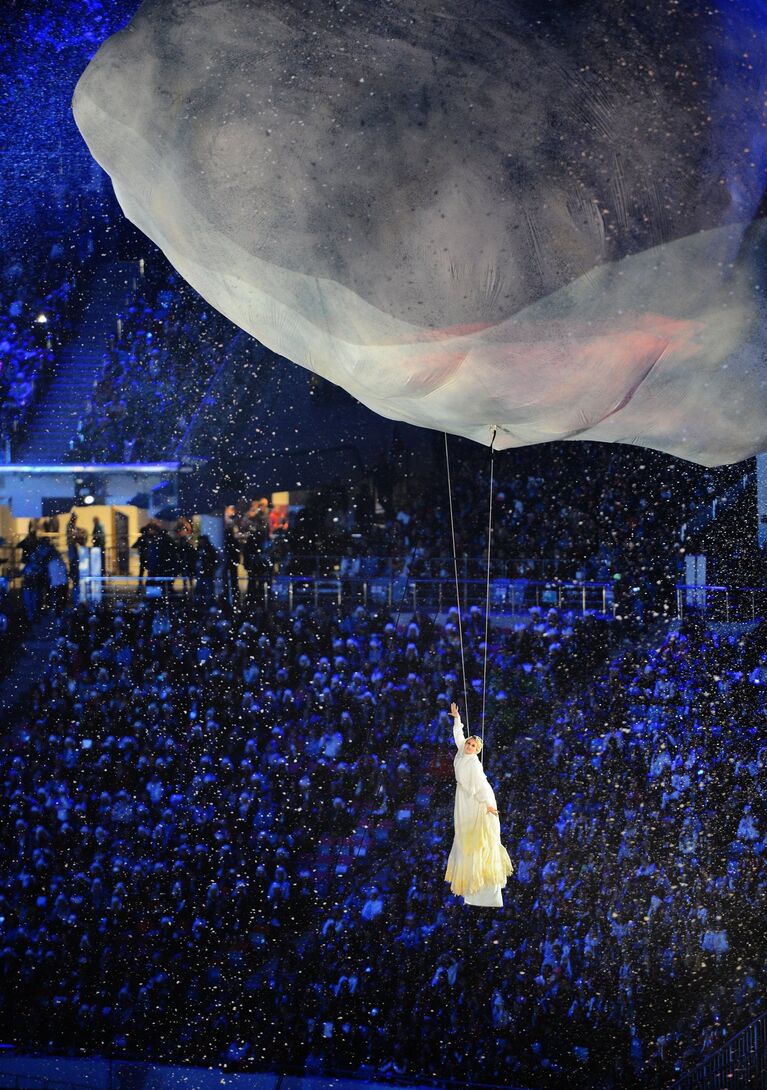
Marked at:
<point>540,218</point>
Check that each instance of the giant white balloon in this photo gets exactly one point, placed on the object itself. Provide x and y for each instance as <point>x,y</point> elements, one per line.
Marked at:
<point>544,219</point>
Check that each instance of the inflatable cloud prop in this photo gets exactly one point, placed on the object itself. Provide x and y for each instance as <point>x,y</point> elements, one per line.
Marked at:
<point>471,214</point>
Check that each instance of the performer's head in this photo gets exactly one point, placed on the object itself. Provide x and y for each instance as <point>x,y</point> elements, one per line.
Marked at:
<point>472,745</point>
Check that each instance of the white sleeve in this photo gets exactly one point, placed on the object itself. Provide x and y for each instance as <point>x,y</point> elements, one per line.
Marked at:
<point>471,777</point>
<point>480,787</point>
<point>484,791</point>
<point>458,734</point>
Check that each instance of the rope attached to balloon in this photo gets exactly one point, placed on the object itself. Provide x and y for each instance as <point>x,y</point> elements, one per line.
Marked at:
<point>457,585</point>
<point>358,842</point>
<point>487,586</point>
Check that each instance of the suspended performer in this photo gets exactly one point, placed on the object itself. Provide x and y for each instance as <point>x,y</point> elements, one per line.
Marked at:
<point>478,865</point>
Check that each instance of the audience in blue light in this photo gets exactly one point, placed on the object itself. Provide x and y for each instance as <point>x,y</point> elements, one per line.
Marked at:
<point>39,304</point>
<point>223,829</point>
<point>225,836</point>
<point>155,373</point>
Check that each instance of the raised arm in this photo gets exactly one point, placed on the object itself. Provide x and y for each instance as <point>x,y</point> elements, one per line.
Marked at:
<point>458,734</point>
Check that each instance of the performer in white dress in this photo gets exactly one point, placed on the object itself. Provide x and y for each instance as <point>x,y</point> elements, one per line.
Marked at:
<point>478,865</point>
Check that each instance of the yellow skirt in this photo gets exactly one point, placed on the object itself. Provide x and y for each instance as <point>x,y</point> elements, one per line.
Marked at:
<point>477,858</point>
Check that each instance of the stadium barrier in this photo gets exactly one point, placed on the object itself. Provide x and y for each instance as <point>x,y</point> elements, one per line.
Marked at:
<point>430,595</point>
<point>740,1064</point>
<point>723,604</point>
<point>117,563</point>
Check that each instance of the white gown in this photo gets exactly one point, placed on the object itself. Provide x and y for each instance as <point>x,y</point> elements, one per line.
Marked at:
<point>478,865</point>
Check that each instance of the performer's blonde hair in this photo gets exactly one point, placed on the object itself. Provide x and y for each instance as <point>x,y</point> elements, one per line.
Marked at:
<point>477,739</point>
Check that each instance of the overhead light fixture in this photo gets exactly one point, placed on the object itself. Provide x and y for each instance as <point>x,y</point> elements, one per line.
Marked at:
<point>88,490</point>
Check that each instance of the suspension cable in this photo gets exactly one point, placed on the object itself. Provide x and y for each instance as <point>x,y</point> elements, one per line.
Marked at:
<point>357,846</point>
<point>487,589</point>
<point>457,587</point>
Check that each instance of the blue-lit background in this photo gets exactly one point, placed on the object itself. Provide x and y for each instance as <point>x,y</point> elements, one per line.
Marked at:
<point>239,920</point>
<point>48,175</point>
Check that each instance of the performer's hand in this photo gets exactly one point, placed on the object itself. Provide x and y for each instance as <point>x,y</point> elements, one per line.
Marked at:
<point>492,810</point>
<point>454,711</point>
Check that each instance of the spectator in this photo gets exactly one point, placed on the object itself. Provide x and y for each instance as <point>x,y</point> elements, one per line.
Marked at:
<point>98,535</point>
<point>207,776</point>
<point>205,570</point>
<point>57,581</point>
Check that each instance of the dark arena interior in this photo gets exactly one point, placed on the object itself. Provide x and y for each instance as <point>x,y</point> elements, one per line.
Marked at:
<point>240,611</point>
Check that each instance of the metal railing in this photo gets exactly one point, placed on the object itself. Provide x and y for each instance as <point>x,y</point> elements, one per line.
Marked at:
<point>510,596</point>
<point>714,603</point>
<point>438,595</point>
<point>95,587</point>
<point>723,604</point>
<point>387,592</point>
<point>740,1064</point>
<point>318,566</point>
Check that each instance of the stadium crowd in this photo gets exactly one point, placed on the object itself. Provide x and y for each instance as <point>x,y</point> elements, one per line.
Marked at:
<point>223,839</point>
<point>223,831</point>
<point>39,304</point>
<point>155,371</point>
<point>582,513</point>
<point>53,198</point>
